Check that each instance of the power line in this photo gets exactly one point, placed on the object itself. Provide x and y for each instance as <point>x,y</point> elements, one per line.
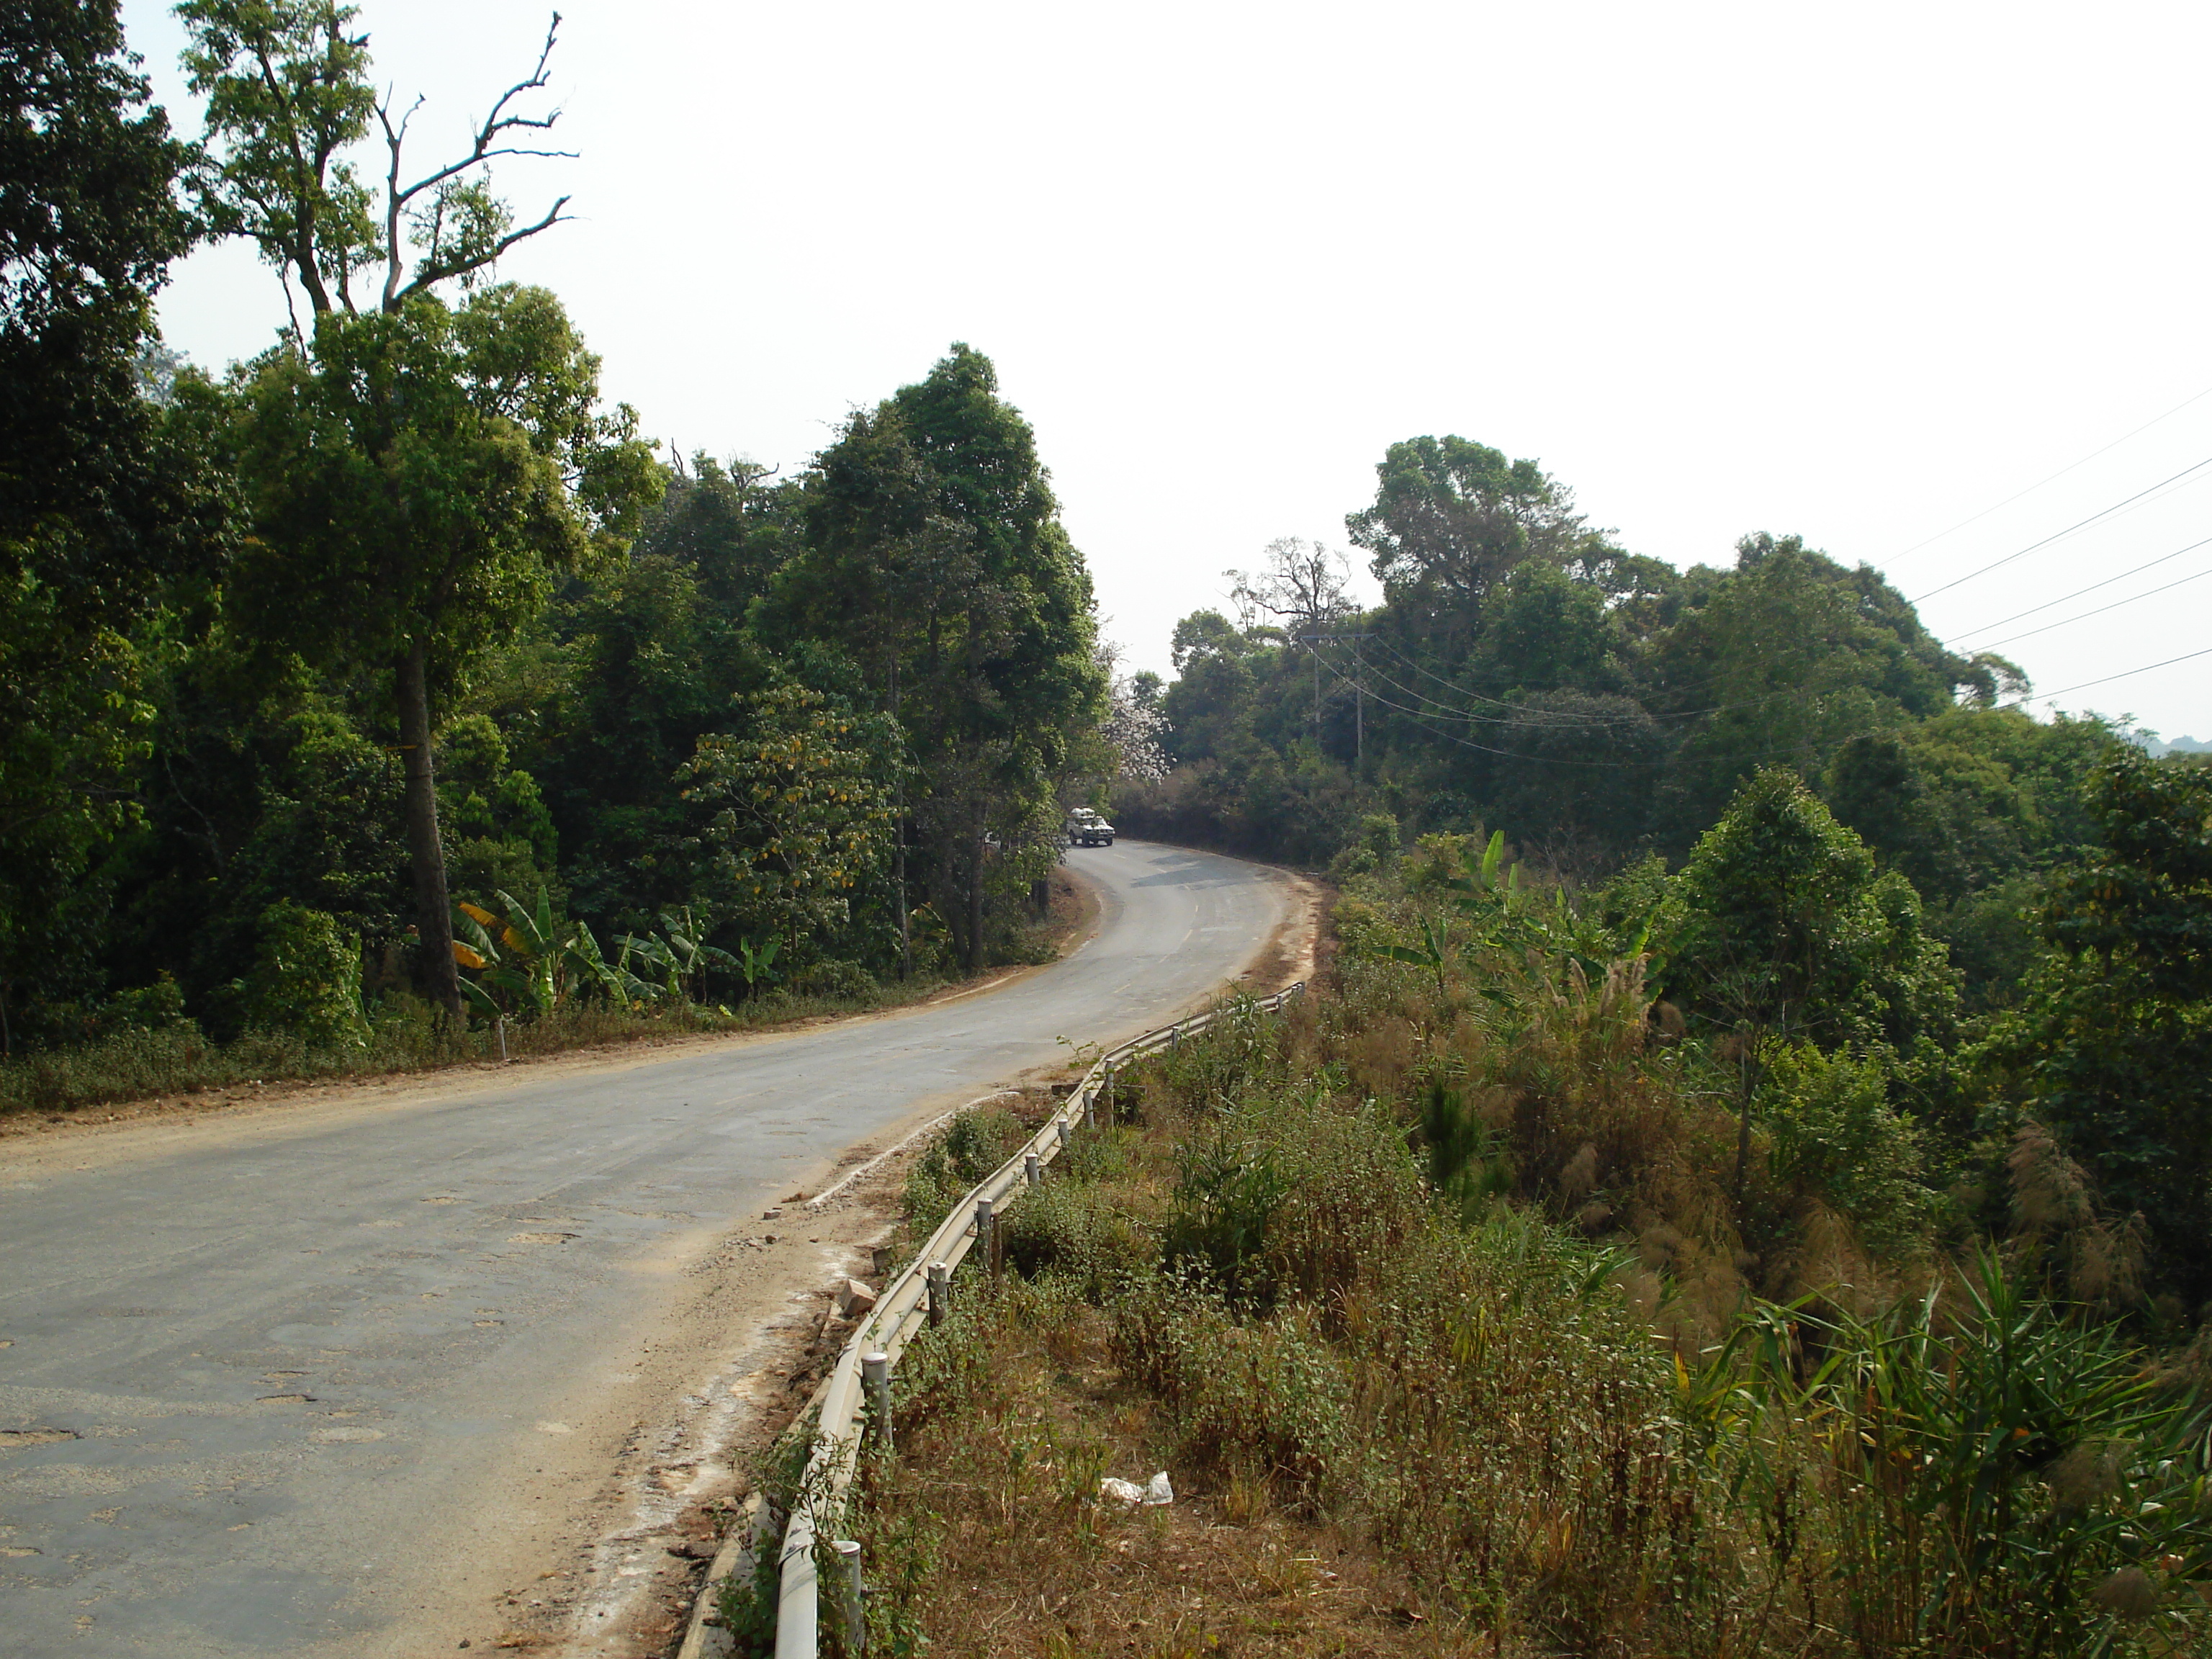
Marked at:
<point>2106,513</point>
<point>1454,685</point>
<point>2068,621</point>
<point>1417,716</point>
<point>1565,719</point>
<point>2125,673</point>
<point>2147,564</point>
<point>2053,478</point>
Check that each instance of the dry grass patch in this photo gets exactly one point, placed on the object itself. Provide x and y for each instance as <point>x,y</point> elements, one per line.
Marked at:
<point>997,1541</point>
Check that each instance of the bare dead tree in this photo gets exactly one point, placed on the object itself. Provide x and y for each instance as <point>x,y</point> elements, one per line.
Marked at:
<point>1302,585</point>
<point>479,229</point>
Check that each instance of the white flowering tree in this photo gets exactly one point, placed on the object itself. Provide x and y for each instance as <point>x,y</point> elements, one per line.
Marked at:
<point>1134,729</point>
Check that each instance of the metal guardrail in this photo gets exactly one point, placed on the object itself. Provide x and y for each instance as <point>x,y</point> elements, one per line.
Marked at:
<point>902,1310</point>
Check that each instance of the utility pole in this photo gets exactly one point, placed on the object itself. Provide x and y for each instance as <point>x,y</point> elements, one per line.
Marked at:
<point>1359,711</point>
<point>1358,688</point>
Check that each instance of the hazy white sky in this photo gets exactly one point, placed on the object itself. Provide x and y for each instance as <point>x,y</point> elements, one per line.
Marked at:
<point>1857,273</point>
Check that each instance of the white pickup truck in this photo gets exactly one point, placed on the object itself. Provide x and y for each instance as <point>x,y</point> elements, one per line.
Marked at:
<point>1086,828</point>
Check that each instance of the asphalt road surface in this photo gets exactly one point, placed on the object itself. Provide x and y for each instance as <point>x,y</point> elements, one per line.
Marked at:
<point>261,1389</point>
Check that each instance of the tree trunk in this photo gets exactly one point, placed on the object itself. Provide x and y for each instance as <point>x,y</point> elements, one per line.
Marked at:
<point>978,850</point>
<point>1747,1083</point>
<point>905,922</point>
<point>426,857</point>
<point>975,917</point>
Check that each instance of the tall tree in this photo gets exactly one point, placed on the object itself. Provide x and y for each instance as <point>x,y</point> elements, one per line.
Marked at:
<point>415,479</point>
<point>99,499</point>
<point>1780,929</point>
<point>935,559</point>
<point>2112,1045</point>
<point>1302,586</point>
<point>1451,518</point>
<point>444,444</point>
<point>288,97</point>
<point>1784,659</point>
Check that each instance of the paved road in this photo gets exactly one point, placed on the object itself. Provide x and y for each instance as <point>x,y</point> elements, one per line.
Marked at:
<point>295,1361</point>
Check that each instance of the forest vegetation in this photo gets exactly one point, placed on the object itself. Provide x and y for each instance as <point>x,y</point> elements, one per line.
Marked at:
<point>389,689</point>
<point>1741,1184</point>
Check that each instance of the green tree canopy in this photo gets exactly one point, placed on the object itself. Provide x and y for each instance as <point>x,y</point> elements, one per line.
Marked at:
<point>415,481</point>
<point>935,562</point>
<point>1451,518</point>
<point>102,498</point>
<point>1781,920</point>
<point>2111,1047</point>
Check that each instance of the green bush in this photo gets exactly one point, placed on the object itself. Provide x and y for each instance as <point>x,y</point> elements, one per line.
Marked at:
<point>1071,1229</point>
<point>1264,1397</point>
<point>1227,1191</point>
<point>1832,1131</point>
<point>973,1144</point>
<point>153,1007</point>
<point>843,981</point>
<point>305,978</point>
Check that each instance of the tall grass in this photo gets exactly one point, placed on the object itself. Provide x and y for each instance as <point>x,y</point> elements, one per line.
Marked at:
<point>1255,1277</point>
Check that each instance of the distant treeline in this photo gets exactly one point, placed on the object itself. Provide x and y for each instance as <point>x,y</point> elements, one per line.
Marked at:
<point>1524,673</point>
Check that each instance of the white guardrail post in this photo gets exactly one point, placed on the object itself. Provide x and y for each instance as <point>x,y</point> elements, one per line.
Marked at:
<point>921,1295</point>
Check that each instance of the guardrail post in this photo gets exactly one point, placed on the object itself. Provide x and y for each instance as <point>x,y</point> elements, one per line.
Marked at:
<point>1032,1170</point>
<point>1174,1036</point>
<point>940,1291</point>
<point>856,1616</point>
<point>1067,1128</point>
<point>987,1234</point>
<point>876,1372</point>
<point>798,1604</point>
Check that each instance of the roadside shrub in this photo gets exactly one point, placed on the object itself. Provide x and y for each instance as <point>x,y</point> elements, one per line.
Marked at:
<point>1226,1192</point>
<point>973,1144</point>
<point>1998,1478</point>
<point>1352,1193</point>
<point>1072,1229</point>
<point>154,1007</point>
<point>845,982</point>
<point>1263,1398</point>
<point>305,978</point>
<point>1834,1133</point>
<point>1526,1412</point>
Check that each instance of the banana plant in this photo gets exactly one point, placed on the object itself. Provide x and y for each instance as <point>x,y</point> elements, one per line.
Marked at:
<point>694,955</point>
<point>623,987</point>
<point>477,948</point>
<point>538,963</point>
<point>1505,916</point>
<point>1484,898</point>
<point>681,954</point>
<point>529,935</point>
<point>1433,954</point>
<point>654,953</point>
<point>758,963</point>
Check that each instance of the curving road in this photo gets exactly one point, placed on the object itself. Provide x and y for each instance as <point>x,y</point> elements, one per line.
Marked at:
<point>267,1384</point>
